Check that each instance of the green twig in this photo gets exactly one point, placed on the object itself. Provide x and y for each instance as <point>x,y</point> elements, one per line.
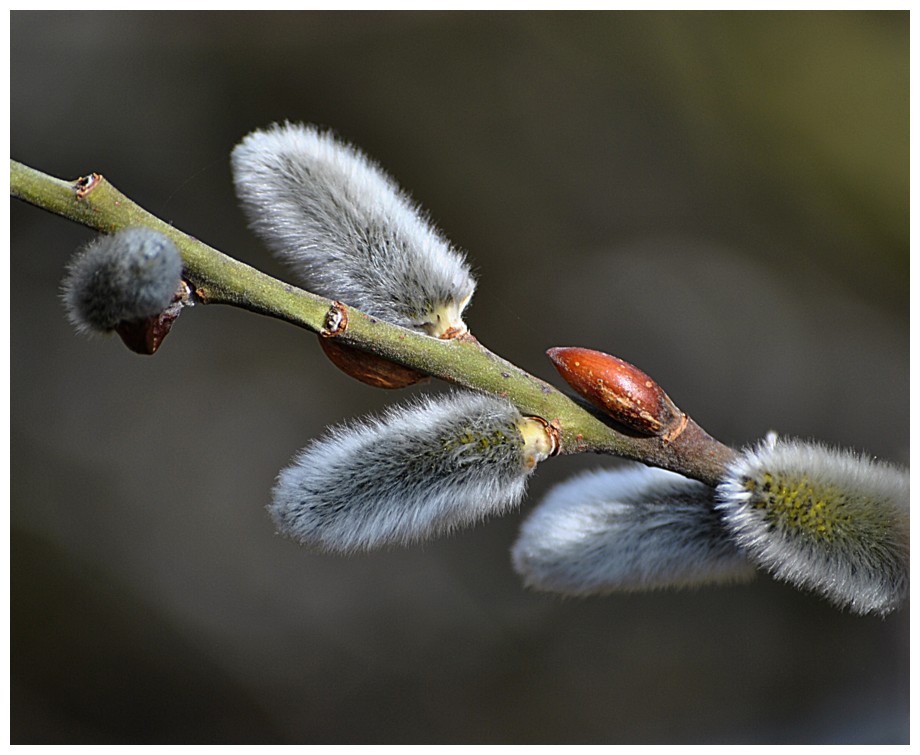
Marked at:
<point>219,279</point>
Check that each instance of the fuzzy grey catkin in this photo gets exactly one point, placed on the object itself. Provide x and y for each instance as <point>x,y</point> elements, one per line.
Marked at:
<point>128,275</point>
<point>627,529</point>
<point>835,522</point>
<point>347,230</point>
<point>420,470</point>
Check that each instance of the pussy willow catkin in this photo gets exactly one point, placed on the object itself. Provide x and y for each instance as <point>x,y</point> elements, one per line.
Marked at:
<point>128,275</point>
<point>347,230</point>
<point>627,529</point>
<point>831,521</point>
<point>423,469</point>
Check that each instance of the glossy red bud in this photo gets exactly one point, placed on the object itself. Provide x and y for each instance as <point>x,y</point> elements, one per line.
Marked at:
<point>621,390</point>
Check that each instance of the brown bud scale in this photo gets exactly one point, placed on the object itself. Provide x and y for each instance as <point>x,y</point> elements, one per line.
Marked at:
<point>621,390</point>
<point>144,336</point>
<point>370,368</point>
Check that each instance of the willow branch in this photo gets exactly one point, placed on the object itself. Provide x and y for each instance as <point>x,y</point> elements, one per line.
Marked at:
<point>219,279</point>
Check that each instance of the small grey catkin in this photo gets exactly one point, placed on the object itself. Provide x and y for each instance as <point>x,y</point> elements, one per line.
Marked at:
<point>129,275</point>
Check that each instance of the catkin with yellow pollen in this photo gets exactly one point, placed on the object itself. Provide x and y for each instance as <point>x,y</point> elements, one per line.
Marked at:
<point>831,521</point>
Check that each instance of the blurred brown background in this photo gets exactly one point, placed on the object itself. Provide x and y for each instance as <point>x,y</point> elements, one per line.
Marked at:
<point>721,199</point>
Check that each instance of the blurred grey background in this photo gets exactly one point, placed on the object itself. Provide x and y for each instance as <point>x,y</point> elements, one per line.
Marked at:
<point>719,198</point>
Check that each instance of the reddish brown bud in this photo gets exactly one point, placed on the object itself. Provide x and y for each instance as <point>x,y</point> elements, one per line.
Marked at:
<point>144,336</point>
<point>370,368</point>
<point>621,390</point>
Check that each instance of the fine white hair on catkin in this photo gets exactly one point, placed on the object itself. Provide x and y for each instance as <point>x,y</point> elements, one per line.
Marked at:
<point>129,275</point>
<point>831,521</point>
<point>626,529</point>
<point>346,228</point>
<point>422,469</point>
